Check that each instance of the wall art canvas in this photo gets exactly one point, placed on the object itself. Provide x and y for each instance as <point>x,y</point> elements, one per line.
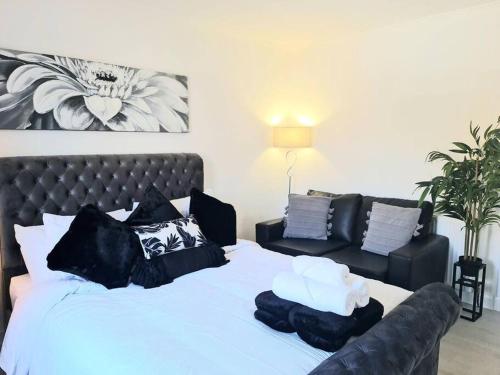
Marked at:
<point>50,92</point>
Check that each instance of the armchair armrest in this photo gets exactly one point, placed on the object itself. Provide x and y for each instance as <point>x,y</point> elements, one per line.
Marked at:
<point>419,262</point>
<point>422,319</point>
<point>268,231</point>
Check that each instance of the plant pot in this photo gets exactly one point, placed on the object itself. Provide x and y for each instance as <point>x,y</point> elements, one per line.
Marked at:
<point>470,267</point>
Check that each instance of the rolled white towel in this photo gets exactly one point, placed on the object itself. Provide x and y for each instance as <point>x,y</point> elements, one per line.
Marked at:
<point>321,269</point>
<point>360,286</point>
<point>338,299</point>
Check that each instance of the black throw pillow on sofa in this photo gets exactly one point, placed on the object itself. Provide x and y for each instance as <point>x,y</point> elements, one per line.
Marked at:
<point>97,248</point>
<point>216,219</point>
<point>153,208</point>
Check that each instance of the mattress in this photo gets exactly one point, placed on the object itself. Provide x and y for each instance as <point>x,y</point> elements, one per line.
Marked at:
<point>202,323</point>
<point>19,286</point>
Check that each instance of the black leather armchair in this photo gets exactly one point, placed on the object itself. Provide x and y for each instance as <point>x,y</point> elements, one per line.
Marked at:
<point>420,262</point>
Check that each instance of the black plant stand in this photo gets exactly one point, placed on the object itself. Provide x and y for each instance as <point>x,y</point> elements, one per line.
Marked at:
<point>477,286</point>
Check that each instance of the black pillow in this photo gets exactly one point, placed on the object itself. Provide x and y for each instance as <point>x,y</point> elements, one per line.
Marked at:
<point>216,219</point>
<point>154,208</point>
<point>97,248</point>
<point>163,269</point>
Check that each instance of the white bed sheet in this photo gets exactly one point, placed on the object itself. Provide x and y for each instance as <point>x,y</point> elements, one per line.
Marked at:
<point>202,323</point>
<point>19,286</point>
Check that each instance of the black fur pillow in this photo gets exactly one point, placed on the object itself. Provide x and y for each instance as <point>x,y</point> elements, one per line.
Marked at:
<point>216,219</point>
<point>97,248</point>
<point>154,208</point>
<point>163,269</point>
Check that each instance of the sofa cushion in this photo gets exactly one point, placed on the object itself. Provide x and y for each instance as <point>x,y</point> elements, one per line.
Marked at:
<point>303,246</point>
<point>363,263</point>
<point>390,228</point>
<point>361,224</point>
<point>307,217</point>
<point>345,209</point>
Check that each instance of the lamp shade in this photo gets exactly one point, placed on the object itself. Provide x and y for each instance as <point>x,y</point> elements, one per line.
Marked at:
<point>292,136</point>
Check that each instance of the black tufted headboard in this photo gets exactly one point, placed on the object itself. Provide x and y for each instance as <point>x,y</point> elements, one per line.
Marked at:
<point>32,185</point>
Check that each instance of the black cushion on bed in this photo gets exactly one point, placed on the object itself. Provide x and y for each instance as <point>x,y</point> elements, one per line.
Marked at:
<point>217,219</point>
<point>163,269</point>
<point>153,208</point>
<point>97,248</point>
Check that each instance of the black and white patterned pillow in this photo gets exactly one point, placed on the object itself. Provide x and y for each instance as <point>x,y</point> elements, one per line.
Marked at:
<point>169,236</point>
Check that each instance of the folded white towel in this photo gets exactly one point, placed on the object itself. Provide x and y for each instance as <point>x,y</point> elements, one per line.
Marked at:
<point>360,286</point>
<point>340,300</point>
<point>321,269</point>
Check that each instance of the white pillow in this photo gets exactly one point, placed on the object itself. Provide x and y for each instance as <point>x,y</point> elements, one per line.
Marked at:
<point>181,204</point>
<point>34,249</point>
<point>57,225</point>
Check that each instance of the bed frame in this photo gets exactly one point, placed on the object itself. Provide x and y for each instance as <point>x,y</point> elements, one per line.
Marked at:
<point>406,341</point>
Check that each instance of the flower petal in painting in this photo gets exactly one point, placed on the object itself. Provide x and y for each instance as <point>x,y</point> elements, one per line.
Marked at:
<point>49,94</point>
<point>7,67</point>
<point>26,75</point>
<point>103,107</point>
<point>169,119</point>
<point>173,101</point>
<point>16,109</point>
<point>146,91</point>
<point>139,103</point>
<point>9,101</point>
<point>6,53</point>
<point>132,119</point>
<point>36,58</point>
<point>72,114</point>
<point>169,83</point>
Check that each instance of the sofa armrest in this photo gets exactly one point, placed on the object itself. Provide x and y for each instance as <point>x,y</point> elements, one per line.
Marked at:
<point>406,341</point>
<point>268,231</point>
<point>419,262</point>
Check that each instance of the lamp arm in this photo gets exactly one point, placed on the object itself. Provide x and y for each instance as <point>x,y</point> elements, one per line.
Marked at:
<point>291,158</point>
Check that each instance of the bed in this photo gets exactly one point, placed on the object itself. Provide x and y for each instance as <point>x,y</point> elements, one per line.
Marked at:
<point>201,323</point>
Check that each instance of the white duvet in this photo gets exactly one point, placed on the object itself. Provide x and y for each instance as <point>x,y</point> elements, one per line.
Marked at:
<point>202,323</point>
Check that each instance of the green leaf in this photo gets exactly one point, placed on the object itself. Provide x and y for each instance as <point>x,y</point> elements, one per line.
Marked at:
<point>423,196</point>
<point>463,146</point>
<point>421,184</point>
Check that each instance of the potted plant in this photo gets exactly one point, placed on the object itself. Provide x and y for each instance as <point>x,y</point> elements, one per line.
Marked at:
<point>468,189</point>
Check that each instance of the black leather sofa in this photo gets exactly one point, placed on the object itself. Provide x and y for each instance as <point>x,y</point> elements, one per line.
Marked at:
<point>420,262</point>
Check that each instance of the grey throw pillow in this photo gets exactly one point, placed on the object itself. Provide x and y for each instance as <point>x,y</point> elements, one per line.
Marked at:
<point>317,193</point>
<point>307,217</point>
<point>389,228</point>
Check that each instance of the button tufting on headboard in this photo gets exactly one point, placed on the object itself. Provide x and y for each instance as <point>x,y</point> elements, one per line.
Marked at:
<point>31,185</point>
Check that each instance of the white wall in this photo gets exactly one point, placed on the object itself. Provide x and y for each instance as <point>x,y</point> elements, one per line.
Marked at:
<point>380,101</point>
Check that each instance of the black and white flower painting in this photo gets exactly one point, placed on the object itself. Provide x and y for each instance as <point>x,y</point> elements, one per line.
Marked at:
<point>49,92</point>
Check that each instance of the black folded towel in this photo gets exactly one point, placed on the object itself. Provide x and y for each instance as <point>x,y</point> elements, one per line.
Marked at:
<point>322,330</point>
<point>366,317</point>
<point>274,322</point>
<point>273,311</point>
<point>329,331</point>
